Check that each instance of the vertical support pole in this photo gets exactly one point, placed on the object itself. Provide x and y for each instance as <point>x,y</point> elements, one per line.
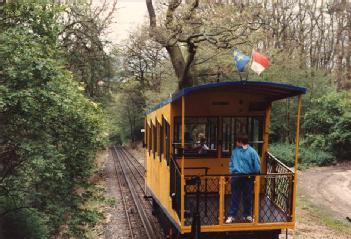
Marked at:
<point>220,136</point>
<point>296,153</point>
<point>182,165</point>
<point>146,142</point>
<point>265,147</point>
<point>221,200</point>
<point>183,132</point>
<point>257,198</point>
<point>266,137</point>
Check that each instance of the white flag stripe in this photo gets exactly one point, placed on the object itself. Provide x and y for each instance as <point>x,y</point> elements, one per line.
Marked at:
<point>256,67</point>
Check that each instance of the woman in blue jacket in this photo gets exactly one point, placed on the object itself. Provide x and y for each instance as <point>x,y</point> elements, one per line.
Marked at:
<point>244,160</point>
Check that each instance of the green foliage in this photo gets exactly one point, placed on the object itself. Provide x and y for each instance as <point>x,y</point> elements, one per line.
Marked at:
<point>25,223</point>
<point>327,125</point>
<point>307,156</point>
<point>130,111</point>
<point>49,131</point>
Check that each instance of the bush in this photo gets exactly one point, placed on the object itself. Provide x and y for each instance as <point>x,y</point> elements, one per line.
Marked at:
<point>328,124</point>
<point>24,223</point>
<point>308,156</point>
<point>49,131</point>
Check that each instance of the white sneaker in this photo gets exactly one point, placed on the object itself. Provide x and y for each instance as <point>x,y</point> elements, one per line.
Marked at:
<point>248,219</point>
<point>230,220</point>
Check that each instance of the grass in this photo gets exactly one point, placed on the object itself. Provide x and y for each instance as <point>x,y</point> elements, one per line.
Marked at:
<point>323,218</point>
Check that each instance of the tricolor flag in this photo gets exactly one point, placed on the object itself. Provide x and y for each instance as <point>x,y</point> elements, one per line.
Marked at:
<point>259,62</point>
<point>240,59</point>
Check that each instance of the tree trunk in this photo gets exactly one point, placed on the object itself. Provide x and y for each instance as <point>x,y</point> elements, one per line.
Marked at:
<point>347,84</point>
<point>183,73</point>
<point>339,46</point>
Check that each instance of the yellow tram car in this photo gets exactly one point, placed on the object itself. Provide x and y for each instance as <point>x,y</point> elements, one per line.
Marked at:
<point>218,112</point>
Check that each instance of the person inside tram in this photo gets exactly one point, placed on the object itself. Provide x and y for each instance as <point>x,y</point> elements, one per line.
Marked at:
<point>201,146</point>
<point>244,161</point>
<point>188,140</point>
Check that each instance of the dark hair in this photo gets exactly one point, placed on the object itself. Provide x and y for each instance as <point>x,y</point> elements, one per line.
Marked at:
<point>242,139</point>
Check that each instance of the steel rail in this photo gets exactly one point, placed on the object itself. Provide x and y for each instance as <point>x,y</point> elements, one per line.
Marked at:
<point>134,164</point>
<point>124,151</point>
<point>132,156</point>
<point>132,169</point>
<point>123,200</point>
<point>141,211</point>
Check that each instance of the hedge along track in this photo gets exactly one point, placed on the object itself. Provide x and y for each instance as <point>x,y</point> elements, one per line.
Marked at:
<point>133,181</point>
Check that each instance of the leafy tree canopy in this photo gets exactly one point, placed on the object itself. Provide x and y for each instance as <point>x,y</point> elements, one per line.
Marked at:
<point>49,131</point>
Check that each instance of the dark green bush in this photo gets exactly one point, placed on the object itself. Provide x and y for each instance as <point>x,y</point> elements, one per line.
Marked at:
<point>308,156</point>
<point>327,125</point>
<point>49,131</point>
<point>24,224</point>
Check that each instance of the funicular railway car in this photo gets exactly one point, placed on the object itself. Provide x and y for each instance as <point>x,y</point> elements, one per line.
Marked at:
<point>190,184</point>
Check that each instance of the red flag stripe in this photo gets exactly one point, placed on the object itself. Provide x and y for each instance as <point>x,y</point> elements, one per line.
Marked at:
<point>261,59</point>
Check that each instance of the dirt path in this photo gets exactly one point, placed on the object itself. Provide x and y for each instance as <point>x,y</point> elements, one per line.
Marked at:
<point>329,188</point>
<point>324,202</point>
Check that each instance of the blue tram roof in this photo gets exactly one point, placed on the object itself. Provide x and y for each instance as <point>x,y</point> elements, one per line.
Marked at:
<point>287,90</point>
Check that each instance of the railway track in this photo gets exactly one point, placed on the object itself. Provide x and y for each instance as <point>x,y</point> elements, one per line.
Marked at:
<point>138,211</point>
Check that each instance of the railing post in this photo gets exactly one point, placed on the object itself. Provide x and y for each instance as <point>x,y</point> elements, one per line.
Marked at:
<point>299,99</point>
<point>221,200</point>
<point>182,184</point>
<point>257,199</point>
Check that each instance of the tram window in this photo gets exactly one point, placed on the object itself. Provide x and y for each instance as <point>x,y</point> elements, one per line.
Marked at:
<point>145,136</point>
<point>149,145</point>
<point>160,140</point>
<point>200,135</point>
<point>232,127</point>
<point>162,137</point>
<point>168,141</point>
<point>154,140</point>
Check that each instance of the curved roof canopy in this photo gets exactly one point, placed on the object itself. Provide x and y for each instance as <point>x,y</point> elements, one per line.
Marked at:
<point>270,90</point>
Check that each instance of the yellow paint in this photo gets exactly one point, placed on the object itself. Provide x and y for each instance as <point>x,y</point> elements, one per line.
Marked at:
<point>221,200</point>
<point>265,146</point>
<point>296,154</point>
<point>257,199</point>
<point>157,173</point>
<point>182,167</point>
<point>242,227</point>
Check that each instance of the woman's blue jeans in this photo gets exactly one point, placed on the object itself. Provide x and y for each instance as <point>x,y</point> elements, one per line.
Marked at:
<point>242,189</point>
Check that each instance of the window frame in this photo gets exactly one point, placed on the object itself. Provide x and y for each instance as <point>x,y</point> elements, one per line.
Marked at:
<point>249,129</point>
<point>167,137</point>
<point>177,142</point>
<point>149,139</point>
<point>154,140</point>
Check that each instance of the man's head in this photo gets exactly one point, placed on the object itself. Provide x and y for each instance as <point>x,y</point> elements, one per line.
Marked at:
<point>242,140</point>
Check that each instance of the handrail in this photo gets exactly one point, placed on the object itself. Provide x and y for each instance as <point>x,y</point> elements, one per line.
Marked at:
<point>204,168</point>
<point>280,162</point>
<point>175,163</point>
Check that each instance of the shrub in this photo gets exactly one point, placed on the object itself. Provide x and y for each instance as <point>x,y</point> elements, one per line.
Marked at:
<point>308,156</point>
<point>49,131</point>
<point>29,221</point>
<point>327,125</point>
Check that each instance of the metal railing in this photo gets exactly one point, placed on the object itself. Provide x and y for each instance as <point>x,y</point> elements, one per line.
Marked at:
<point>175,185</point>
<point>266,198</point>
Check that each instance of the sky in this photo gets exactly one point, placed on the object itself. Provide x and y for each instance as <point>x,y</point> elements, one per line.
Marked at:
<point>129,15</point>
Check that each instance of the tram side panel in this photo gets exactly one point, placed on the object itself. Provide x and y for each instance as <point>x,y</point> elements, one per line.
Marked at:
<point>157,170</point>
